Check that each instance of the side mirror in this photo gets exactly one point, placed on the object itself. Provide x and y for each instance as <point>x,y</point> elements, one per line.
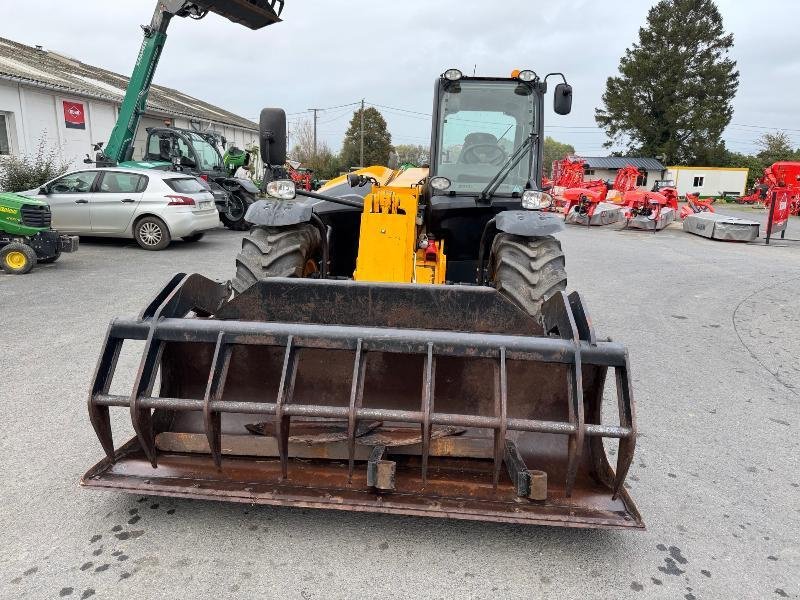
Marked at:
<point>562,100</point>
<point>272,136</point>
<point>43,191</point>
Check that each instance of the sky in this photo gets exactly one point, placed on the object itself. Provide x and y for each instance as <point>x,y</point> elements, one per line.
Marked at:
<point>330,54</point>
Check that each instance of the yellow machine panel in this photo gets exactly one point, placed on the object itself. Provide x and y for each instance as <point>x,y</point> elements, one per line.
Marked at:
<point>389,238</point>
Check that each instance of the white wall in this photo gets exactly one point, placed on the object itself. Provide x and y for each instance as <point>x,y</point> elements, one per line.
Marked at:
<point>715,180</point>
<point>34,113</point>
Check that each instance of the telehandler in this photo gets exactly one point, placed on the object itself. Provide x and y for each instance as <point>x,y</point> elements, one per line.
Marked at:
<point>398,342</point>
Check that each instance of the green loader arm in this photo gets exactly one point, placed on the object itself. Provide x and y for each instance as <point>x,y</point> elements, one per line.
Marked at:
<point>254,14</point>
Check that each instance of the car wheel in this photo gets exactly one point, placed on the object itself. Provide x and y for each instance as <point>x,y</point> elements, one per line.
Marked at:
<point>17,258</point>
<point>151,233</point>
<point>194,237</point>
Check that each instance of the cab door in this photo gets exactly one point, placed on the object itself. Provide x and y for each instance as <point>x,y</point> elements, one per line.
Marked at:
<point>69,197</point>
<point>115,201</point>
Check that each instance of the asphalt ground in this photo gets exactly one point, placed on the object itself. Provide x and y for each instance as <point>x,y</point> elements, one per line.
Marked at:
<point>712,332</point>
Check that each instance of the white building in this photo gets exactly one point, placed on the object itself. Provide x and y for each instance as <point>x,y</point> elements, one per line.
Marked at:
<point>606,168</point>
<point>72,105</point>
<point>709,181</point>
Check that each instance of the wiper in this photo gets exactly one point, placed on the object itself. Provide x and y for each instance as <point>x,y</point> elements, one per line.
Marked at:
<point>508,166</point>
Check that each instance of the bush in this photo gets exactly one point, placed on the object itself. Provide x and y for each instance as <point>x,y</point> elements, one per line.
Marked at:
<point>30,171</point>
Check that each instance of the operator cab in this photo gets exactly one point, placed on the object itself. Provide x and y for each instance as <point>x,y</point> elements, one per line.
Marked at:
<point>188,149</point>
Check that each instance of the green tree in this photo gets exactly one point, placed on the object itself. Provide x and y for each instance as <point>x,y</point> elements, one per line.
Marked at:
<point>776,147</point>
<point>554,150</point>
<point>675,88</point>
<point>377,140</point>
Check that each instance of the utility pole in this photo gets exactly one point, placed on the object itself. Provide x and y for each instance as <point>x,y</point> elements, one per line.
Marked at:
<point>362,133</point>
<point>315,111</point>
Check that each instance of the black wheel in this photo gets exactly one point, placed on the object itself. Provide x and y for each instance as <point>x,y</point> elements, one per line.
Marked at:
<point>194,238</point>
<point>17,258</point>
<point>277,252</point>
<point>238,203</point>
<point>151,233</point>
<point>528,270</point>
<point>51,259</point>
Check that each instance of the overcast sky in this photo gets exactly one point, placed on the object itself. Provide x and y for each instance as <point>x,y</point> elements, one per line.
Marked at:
<point>329,53</point>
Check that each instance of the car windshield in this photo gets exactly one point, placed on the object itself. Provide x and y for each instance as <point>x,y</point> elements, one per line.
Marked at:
<point>481,124</point>
<point>207,155</point>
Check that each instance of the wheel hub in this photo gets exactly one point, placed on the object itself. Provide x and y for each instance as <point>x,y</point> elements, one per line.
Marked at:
<point>16,260</point>
<point>150,234</point>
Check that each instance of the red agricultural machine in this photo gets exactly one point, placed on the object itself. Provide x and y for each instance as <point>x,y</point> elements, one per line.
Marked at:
<point>302,177</point>
<point>694,205</point>
<point>595,203</point>
<point>784,175</point>
<point>650,210</point>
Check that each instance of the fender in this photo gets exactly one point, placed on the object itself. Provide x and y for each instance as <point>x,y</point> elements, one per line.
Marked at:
<point>529,223</point>
<point>232,183</point>
<point>279,213</point>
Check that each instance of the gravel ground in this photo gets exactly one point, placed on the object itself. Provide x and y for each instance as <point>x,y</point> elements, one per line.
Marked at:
<point>712,332</point>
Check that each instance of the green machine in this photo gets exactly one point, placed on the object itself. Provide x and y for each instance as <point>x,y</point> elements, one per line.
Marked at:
<point>26,237</point>
<point>171,148</point>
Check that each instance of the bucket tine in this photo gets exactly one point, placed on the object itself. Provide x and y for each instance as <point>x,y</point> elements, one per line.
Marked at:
<point>558,317</point>
<point>216,384</point>
<point>627,418</point>
<point>356,398</point>
<point>104,373</point>
<point>288,376</point>
<point>501,409</point>
<point>143,417</point>
<point>428,386</point>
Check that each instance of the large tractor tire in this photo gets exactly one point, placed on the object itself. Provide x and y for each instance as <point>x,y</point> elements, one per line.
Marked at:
<point>528,270</point>
<point>238,203</point>
<point>277,252</point>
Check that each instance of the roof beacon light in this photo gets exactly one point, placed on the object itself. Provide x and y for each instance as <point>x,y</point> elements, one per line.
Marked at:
<point>527,75</point>
<point>453,74</point>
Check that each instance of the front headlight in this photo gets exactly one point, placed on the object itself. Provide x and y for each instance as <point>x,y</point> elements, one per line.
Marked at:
<point>283,189</point>
<point>534,200</point>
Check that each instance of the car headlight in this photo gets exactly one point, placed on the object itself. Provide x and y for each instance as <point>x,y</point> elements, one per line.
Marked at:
<point>440,183</point>
<point>283,189</point>
<point>535,200</point>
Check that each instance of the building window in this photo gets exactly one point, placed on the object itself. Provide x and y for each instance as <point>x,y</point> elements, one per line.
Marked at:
<point>5,138</point>
<point>589,172</point>
<point>699,181</point>
<point>641,180</point>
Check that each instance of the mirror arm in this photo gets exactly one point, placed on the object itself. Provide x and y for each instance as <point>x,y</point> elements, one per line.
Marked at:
<point>334,199</point>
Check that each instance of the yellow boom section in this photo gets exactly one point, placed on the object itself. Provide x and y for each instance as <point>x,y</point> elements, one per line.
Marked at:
<point>390,234</point>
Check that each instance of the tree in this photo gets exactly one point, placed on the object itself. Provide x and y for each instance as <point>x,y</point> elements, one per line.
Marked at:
<point>303,137</point>
<point>673,95</point>
<point>377,140</point>
<point>413,153</point>
<point>554,150</point>
<point>776,147</point>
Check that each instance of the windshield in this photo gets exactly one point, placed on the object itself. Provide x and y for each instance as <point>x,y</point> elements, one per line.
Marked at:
<point>481,124</point>
<point>207,155</point>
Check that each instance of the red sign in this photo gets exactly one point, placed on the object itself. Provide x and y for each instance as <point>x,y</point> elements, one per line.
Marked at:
<point>74,115</point>
<point>780,206</point>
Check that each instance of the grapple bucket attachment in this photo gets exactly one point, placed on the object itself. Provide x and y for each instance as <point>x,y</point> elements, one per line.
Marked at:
<point>443,401</point>
<point>254,14</point>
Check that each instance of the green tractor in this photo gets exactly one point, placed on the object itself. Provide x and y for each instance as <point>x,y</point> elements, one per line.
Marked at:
<point>26,237</point>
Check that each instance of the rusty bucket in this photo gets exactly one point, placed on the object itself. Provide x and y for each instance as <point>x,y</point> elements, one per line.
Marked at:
<point>441,401</point>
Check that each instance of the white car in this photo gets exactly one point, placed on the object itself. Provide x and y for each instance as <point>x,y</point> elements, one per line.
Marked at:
<point>152,207</point>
